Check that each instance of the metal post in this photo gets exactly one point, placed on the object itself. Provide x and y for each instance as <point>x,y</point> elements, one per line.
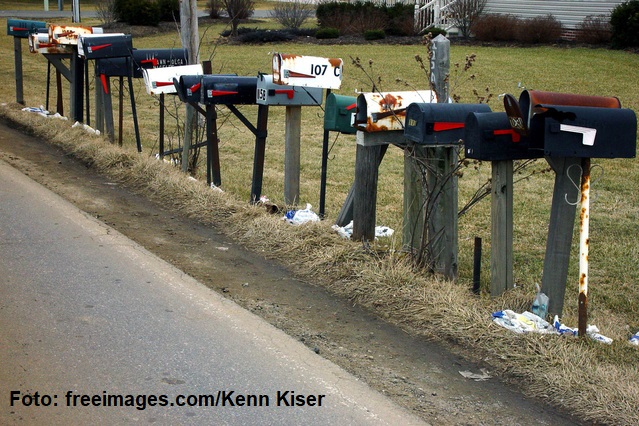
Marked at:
<point>17,49</point>
<point>161,125</point>
<point>322,200</point>
<point>584,243</point>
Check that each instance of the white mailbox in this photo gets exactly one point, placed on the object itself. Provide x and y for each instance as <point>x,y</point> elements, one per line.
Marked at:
<point>309,71</point>
<point>386,111</point>
<point>160,80</point>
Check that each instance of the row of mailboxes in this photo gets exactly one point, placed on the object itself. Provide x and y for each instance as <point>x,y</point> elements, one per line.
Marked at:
<point>98,46</point>
<point>21,28</point>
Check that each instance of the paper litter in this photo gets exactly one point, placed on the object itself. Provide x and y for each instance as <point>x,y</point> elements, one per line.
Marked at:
<point>347,231</point>
<point>297,217</point>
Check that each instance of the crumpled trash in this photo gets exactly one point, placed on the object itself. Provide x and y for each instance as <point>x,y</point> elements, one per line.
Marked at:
<point>540,304</point>
<point>531,323</point>
<point>522,323</point>
<point>478,377</point>
<point>89,129</point>
<point>634,339</point>
<point>297,217</point>
<point>347,231</point>
<point>43,112</point>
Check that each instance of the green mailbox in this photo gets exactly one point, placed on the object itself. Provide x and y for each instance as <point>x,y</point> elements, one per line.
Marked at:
<point>338,116</point>
<point>21,28</point>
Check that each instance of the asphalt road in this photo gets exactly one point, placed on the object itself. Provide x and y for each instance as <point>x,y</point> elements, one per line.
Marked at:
<point>89,318</point>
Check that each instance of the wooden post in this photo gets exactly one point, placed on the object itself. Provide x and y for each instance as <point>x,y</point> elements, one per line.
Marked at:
<point>99,93</point>
<point>365,200</point>
<point>560,230</point>
<point>501,219</point>
<point>292,155</point>
<point>414,199</point>
<point>59,104</point>
<point>260,152</point>
<point>17,53</point>
<point>440,233</point>
<point>77,88</point>
<point>190,41</point>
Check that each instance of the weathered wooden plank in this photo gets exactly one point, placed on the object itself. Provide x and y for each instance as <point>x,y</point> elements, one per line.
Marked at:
<point>501,218</point>
<point>292,138</point>
<point>365,192</point>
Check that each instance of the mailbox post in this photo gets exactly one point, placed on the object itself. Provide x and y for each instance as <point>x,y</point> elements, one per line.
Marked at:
<point>20,29</point>
<point>571,129</point>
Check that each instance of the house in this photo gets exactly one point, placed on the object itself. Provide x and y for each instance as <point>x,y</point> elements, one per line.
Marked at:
<point>569,12</point>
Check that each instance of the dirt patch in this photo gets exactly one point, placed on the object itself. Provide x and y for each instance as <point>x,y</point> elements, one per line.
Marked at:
<point>418,374</point>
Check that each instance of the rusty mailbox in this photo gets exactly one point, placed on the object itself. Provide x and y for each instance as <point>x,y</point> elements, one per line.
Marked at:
<point>269,93</point>
<point>160,80</point>
<point>228,90</point>
<point>21,28</point>
<point>309,71</point>
<point>488,136</point>
<point>382,112</point>
<point>568,125</point>
<point>339,114</point>
<point>438,124</point>
<point>98,46</point>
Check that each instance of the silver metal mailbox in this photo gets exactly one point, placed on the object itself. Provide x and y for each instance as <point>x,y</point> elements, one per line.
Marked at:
<point>269,93</point>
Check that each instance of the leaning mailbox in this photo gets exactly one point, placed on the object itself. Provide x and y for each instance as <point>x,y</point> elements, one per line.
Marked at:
<point>21,28</point>
<point>188,88</point>
<point>339,115</point>
<point>269,93</point>
<point>157,58</point>
<point>310,71</point>
<point>228,90</point>
<point>438,124</point>
<point>568,125</point>
<point>160,80</point>
<point>488,136</point>
<point>382,112</point>
<point>98,46</point>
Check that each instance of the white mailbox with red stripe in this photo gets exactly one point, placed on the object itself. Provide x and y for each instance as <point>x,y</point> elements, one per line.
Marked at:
<point>160,80</point>
<point>308,71</point>
<point>269,93</point>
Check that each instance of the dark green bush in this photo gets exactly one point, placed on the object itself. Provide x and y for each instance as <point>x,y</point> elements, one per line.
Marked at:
<point>265,36</point>
<point>624,20</point>
<point>169,10</point>
<point>138,12</point>
<point>240,31</point>
<point>324,33</point>
<point>374,35</point>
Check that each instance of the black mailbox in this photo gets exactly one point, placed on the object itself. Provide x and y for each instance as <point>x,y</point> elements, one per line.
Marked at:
<point>113,67</point>
<point>588,132</point>
<point>489,136</point>
<point>98,46</point>
<point>189,88</point>
<point>157,58</point>
<point>228,90</point>
<point>438,124</point>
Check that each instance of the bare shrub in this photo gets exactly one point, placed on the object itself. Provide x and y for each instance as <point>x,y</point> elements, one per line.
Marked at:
<point>105,9</point>
<point>463,13</point>
<point>542,29</point>
<point>238,10</point>
<point>293,14</point>
<point>493,27</point>
<point>594,30</point>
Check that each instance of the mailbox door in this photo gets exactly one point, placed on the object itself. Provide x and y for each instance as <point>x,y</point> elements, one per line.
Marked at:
<point>160,80</point>
<point>21,28</point>
<point>113,67</point>
<point>269,93</point>
<point>339,112</point>
<point>381,112</point>
<point>157,58</point>
<point>189,88</point>
<point>588,132</point>
<point>97,46</point>
<point>309,71</point>
<point>438,124</point>
<point>488,136</point>
<point>228,90</point>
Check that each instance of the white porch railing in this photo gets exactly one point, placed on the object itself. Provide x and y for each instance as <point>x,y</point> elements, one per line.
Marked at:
<point>432,13</point>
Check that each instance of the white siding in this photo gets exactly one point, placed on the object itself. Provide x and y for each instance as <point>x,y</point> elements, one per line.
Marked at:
<point>569,12</point>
